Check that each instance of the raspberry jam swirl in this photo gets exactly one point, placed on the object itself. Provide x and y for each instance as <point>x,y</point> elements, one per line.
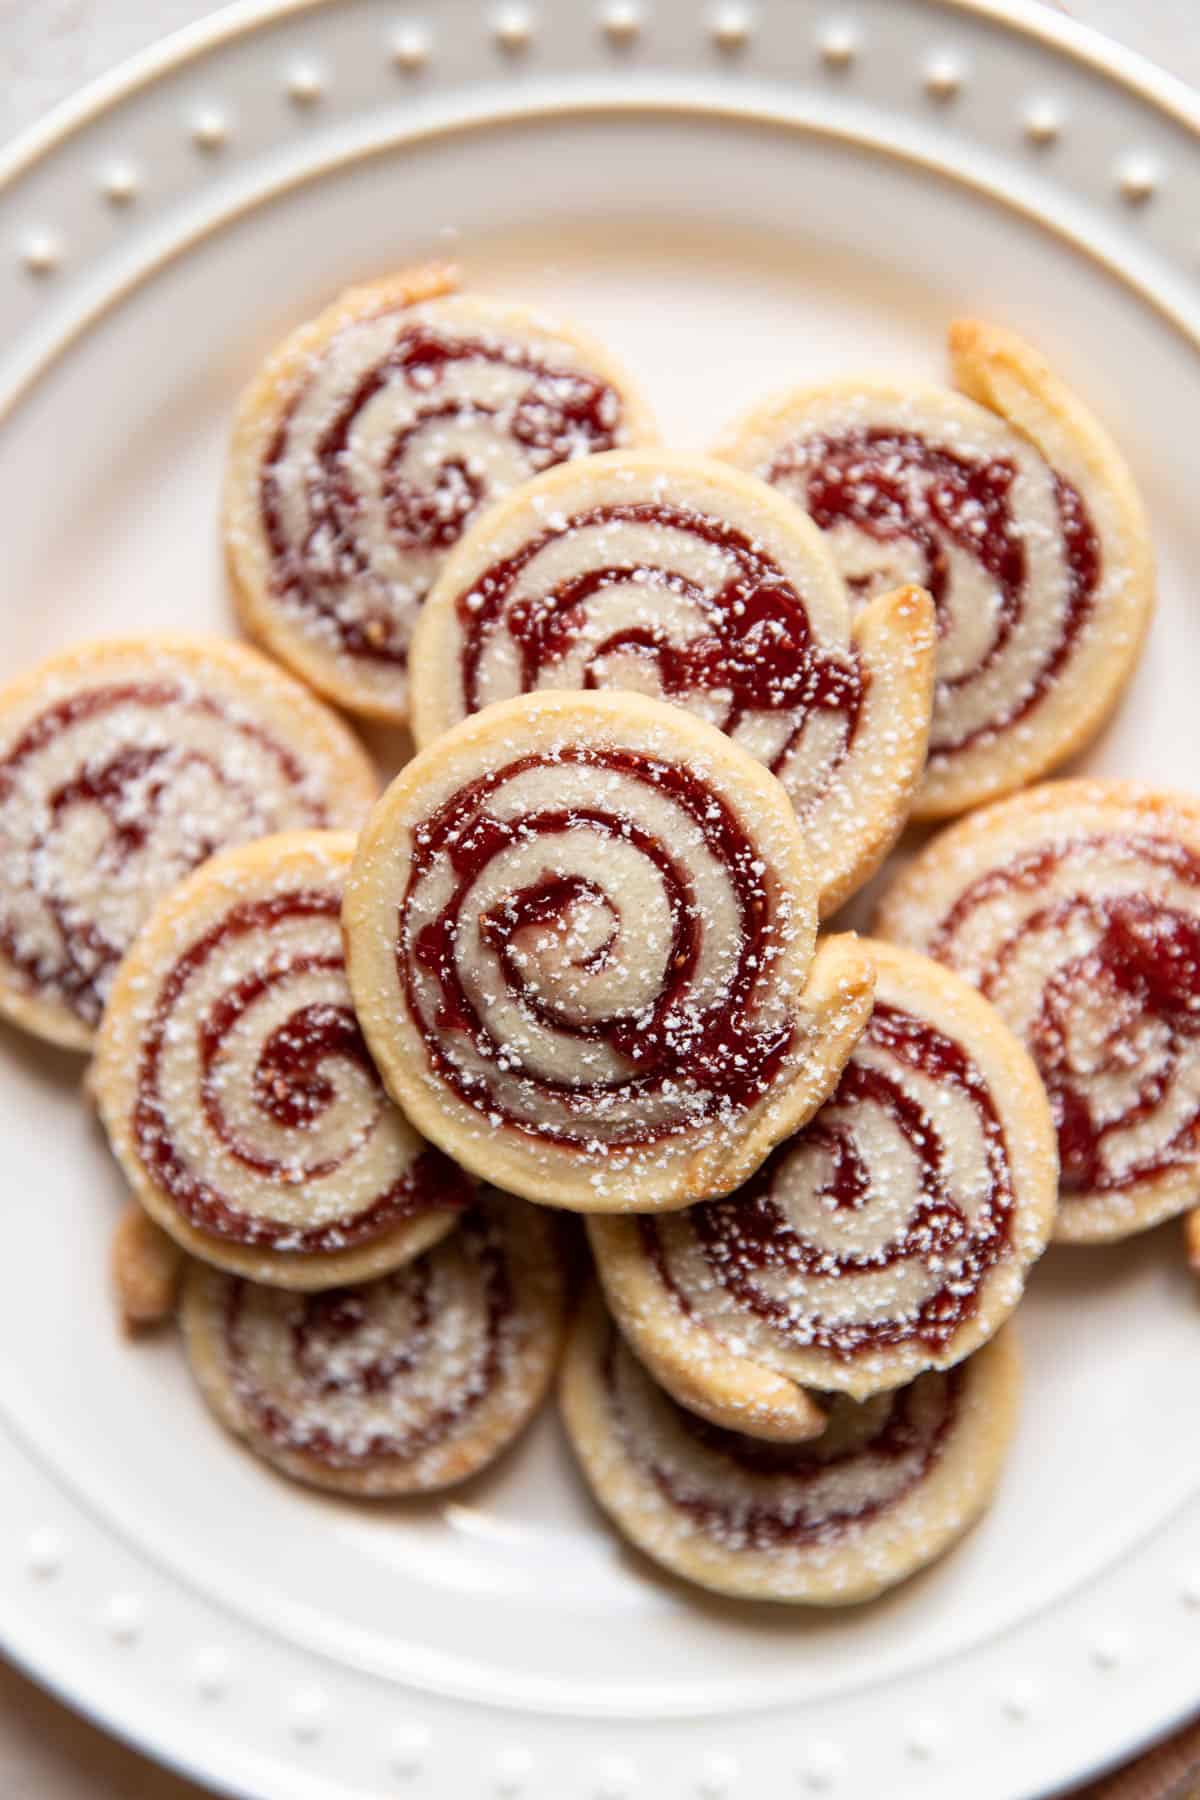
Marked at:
<point>876,1226</point>
<point>257,1108</point>
<point>404,426</point>
<point>108,797</point>
<point>586,945</point>
<point>750,1496</point>
<point>1089,945</point>
<point>386,1370</point>
<point>672,600</point>
<point>1005,545</point>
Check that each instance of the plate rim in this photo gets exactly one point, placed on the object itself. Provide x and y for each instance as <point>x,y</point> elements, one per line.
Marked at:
<point>242,20</point>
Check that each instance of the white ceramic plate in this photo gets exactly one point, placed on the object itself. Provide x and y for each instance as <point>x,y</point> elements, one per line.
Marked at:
<point>734,198</point>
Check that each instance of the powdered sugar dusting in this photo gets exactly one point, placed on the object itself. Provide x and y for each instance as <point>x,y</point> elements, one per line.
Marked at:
<point>891,1482</point>
<point>591,944</point>
<point>118,779</point>
<point>888,1235</point>
<point>398,1384</point>
<point>405,424</point>
<point>1077,913</point>
<point>257,1113</point>
<point>677,579</point>
<point>1038,562</point>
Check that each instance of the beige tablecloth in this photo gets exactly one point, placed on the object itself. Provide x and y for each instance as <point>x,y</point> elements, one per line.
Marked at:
<point>47,49</point>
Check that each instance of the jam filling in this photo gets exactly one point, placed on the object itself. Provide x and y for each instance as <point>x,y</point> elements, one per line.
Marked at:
<point>913,1429</point>
<point>289,1084</point>
<point>1141,968</point>
<point>750,1234</point>
<point>756,647</point>
<point>335,1358</point>
<point>718,1055</point>
<point>893,485</point>
<point>87,957</point>
<point>560,414</point>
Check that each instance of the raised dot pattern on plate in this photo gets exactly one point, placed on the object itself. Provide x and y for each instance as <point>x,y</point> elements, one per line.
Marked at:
<point>732,27</point>
<point>839,46</point>
<point>513,28</point>
<point>45,1552</point>
<point>944,78</point>
<point>42,253</point>
<point>308,1714</point>
<point>821,1767</point>
<point>412,47</point>
<point>211,136</point>
<point>718,1776</point>
<point>511,1770</point>
<point>1043,124</point>
<point>210,130</point>
<point>123,1618</point>
<point>409,1748</point>
<point>622,22</point>
<point>120,184</point>
<point>305,85</point>
<point>211,1673</point>
<point>1138,179</point>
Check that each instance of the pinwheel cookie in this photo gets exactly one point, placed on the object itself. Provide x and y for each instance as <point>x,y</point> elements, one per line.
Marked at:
<point>889,1486</point>
<point>891,1234</point>
<point>1076,909</point>
<point>371,438</point>
<point>677,576</point>
<point>1010,504</point>
<point>123,765</point>
<point>236,1088</point>
<point>146,1267</point>
<point>397,1386</point>
<point>581,942</point>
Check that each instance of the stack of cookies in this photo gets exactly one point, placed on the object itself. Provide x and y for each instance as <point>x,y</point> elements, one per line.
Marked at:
<point>360,1058</point>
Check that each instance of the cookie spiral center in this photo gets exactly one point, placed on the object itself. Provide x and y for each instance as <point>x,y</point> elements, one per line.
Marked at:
<point>1004,543</point>
<point>392,442</point>
<point>109,797</point>
<point>296,1146</point>
<point>876,1226</point>
<point>389,1368</point>
<point>605,956</point>
<point>693,611</point>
